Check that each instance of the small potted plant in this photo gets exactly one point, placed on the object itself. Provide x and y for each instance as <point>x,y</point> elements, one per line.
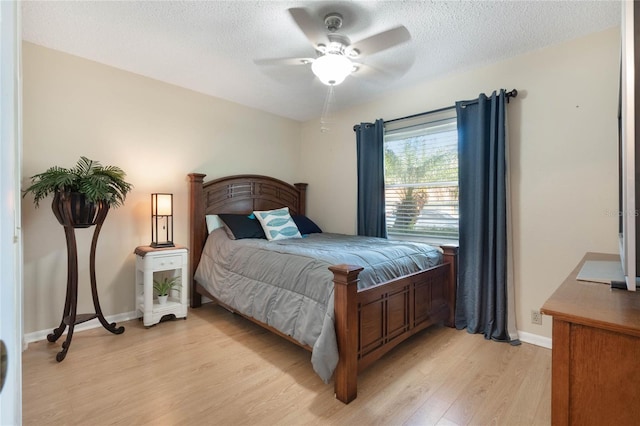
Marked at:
<point>86,188</point>
<point>164,286</point>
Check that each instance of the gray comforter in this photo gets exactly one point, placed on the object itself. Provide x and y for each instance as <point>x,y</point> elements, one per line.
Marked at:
<point>286,283</point>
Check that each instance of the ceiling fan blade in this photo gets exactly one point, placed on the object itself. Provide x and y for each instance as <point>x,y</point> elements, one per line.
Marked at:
<point>283,61</point>
<point>310,27</point>
<point>382,41</point>
<point>372,74</point>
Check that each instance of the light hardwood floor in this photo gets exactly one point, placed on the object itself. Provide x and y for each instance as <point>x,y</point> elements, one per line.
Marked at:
<point>216,368</point>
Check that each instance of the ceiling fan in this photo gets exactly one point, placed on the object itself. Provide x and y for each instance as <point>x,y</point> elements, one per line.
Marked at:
<point>337,57</point>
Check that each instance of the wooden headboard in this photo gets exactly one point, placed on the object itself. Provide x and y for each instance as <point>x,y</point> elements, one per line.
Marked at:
<point>235,194</point>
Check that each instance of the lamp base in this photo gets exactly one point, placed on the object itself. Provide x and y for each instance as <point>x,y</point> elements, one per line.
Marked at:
<point>160,245</point>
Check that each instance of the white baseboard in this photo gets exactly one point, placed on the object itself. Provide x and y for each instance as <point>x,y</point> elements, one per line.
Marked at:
<point>534,339</point>
<point>94,323</point>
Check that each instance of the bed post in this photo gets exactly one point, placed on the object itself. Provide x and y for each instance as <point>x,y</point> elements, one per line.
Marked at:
<point>197,228</point>
<point>302,200</point>
<point>451,257</point>
<point>345,278</point>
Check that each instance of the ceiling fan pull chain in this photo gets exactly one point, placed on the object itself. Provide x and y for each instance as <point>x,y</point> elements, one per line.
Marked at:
<point>325,119</point>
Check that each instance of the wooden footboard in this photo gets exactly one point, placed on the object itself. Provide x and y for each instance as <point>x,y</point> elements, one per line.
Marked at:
<point>370,322</point>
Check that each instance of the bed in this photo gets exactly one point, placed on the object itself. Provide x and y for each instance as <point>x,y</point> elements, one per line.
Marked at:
<point>367,322</point>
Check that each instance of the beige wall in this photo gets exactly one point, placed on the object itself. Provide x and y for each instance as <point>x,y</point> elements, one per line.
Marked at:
<point>157,133</point>
<point>563,158</point>
<point>563,136</point>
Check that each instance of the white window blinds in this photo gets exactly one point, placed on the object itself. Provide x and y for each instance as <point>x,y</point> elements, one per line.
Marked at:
<point>421,177</point>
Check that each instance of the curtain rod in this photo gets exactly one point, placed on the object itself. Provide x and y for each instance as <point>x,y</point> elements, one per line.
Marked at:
<point>512,94</point>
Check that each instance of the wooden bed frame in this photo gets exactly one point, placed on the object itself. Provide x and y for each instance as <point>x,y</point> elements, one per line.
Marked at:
<point>368,322</point>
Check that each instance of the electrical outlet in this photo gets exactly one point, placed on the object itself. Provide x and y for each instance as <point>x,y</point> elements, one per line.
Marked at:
<point>536,317</point>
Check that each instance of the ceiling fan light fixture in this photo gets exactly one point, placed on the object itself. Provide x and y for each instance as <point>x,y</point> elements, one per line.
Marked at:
<point>332,69</point>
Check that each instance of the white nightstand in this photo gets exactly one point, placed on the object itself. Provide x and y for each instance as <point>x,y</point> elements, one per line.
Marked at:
<point>171,261</point>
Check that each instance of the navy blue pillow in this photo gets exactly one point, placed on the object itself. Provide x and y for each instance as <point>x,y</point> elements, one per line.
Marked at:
<point>305,225</point>
<point>239,226</point>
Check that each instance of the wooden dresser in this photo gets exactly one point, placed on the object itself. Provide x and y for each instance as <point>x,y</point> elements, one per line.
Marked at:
<point>596,352</point>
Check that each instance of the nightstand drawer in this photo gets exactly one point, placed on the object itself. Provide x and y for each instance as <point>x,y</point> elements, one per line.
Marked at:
<point>167,262</point>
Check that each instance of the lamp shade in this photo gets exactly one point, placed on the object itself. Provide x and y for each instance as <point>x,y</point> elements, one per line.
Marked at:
<point>332,69</point>
<point>162,220</point>
<point>163,204</point>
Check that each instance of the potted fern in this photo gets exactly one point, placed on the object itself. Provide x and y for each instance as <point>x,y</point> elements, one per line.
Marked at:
<point>164,286</point>
<point>80,192</point>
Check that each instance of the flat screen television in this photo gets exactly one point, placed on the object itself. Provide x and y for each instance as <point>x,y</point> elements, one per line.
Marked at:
<point>629,145</point>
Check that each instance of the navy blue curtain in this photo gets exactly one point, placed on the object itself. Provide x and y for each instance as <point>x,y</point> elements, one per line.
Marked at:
<point>481,304</point>
<point>370,153</point>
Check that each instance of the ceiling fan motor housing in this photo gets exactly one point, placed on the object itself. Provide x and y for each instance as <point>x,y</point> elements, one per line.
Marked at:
<point>337,44</point>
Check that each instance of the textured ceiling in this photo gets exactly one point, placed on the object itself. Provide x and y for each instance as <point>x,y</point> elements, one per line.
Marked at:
<point>211,46</point>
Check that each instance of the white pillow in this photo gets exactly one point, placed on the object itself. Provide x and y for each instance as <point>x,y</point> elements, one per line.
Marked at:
<point>277,224</point>
<point>213,222</point>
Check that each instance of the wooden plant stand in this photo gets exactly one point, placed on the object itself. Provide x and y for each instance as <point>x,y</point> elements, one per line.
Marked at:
<point>73,215</point>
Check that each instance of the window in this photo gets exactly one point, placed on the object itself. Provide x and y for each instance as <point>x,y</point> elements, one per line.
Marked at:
<point>421,177</point>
